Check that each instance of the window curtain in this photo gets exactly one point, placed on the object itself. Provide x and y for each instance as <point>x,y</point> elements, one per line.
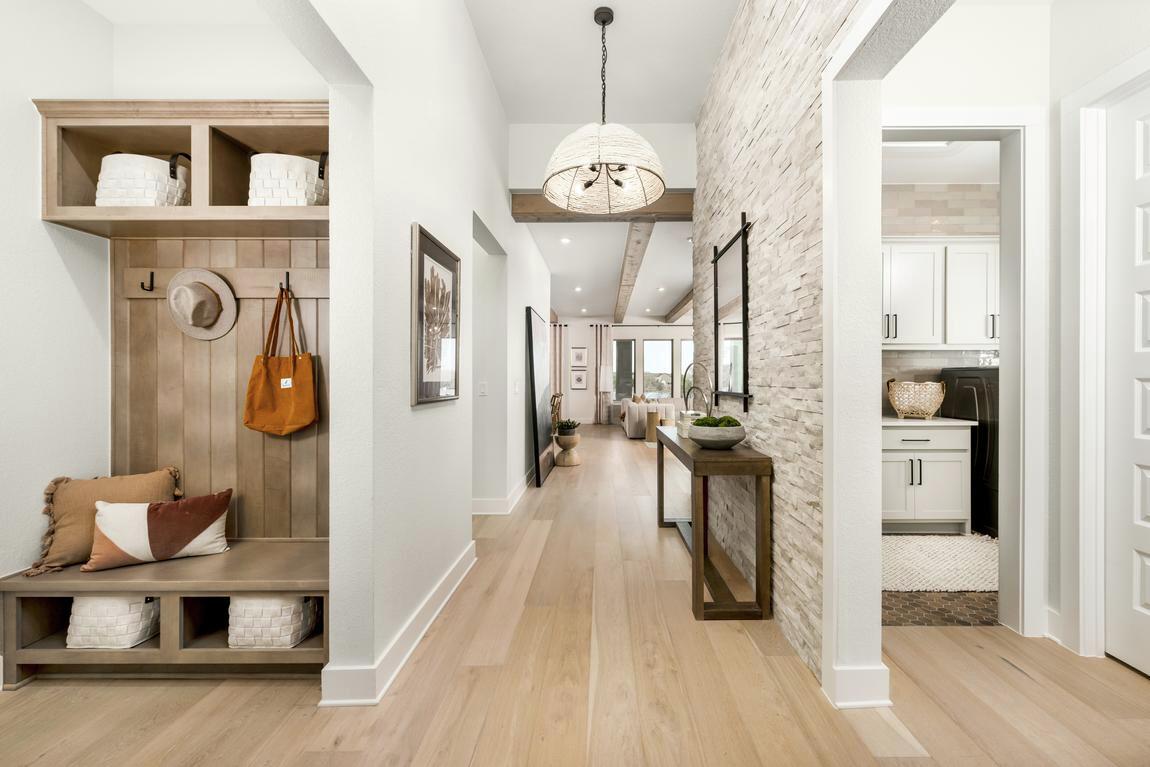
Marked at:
<point>557,354</point>
<point>603,370</point>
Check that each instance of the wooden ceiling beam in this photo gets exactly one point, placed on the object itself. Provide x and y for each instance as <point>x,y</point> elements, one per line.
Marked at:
<point>534,208</point>
<point>681,308</point>
<point>638,237</point>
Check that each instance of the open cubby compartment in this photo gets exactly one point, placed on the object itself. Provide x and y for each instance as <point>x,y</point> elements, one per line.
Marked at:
<point>231,148</point>
<point>42,627</point>
<point>204,626</point>
<point>82,147</point>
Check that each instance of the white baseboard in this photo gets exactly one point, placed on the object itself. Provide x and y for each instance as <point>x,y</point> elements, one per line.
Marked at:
<point>497,506</point>
<point>366,685</point>
<point>1054,625</point>
<point>857,686</point>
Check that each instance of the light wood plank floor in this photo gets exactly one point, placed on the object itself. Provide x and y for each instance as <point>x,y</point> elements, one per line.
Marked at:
<point>572,642</point>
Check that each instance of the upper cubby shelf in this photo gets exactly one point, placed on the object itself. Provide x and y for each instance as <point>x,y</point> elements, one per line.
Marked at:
<point>220,136</point>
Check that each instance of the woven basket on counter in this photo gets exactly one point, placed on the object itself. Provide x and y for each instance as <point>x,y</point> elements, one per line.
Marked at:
<point>915,399</point>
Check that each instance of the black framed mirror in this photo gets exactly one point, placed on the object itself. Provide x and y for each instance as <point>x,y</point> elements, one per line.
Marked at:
<point>731,320</point>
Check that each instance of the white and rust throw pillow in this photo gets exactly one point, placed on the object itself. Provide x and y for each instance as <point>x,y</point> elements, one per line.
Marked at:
<point>134,533</point>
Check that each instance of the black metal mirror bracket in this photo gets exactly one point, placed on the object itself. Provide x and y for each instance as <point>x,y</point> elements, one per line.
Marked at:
<point>740,237</point>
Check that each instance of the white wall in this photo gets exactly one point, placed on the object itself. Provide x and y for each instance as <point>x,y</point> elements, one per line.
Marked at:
<point>54,314</point>
<point>489,382</point>
<point>980,53</point>
<point>528,284</point>
<point>1088,37</point>
<point>531,146</point>
<point>210,61</point>
<point>440,156</point>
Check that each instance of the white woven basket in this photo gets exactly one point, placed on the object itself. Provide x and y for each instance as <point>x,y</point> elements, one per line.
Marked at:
<point>285,179</point>
<point>115,623</point>
<point>270,622</point>
<point>916,399</point>
<point>141,181</point>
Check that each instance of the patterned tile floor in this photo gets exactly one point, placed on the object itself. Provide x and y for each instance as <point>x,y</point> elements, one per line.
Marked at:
<point>940,608</point>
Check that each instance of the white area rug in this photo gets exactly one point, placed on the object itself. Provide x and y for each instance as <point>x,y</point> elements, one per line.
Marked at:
<point>939,563</point>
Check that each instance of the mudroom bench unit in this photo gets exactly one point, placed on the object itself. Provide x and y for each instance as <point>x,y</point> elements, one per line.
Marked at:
<point>193,594</point>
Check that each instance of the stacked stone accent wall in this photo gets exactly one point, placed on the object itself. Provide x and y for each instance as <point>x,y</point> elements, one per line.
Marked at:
<point>759,140</point>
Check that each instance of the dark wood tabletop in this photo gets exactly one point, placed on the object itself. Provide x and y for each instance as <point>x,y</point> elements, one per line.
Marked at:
<point>740,460</point>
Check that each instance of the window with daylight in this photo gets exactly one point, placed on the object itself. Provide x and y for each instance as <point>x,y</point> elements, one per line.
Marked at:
<point>623,385</point>
<point>686,357</point>
<point>658,378</point>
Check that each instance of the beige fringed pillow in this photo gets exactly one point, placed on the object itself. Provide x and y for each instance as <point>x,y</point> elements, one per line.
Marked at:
<point>71,508</point>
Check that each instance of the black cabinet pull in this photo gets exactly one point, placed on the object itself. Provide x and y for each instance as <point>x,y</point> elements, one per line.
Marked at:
<point>886,326</point>
<point>920,471</point>
<point>911,462</point>
<point>895,325</point>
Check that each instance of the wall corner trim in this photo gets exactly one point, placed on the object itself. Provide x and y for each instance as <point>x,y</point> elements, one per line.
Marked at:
<point>857,686</point>
<point>366,685</point>
<point>500,506</point>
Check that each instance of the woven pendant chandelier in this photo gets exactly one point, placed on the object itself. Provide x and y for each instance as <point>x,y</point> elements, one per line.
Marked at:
<point>604,168</point>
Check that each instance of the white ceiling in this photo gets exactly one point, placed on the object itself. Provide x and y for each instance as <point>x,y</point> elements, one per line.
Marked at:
<point>168,12</point>
<point>962,162</point>
<point>667,265</point>
<point>544,57</point>
<point>594,257</point>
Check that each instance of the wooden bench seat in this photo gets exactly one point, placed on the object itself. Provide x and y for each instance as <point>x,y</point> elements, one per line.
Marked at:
<point>193,595</point>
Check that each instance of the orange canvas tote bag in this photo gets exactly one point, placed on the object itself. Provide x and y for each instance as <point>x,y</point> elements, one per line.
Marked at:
<point>281,391</point>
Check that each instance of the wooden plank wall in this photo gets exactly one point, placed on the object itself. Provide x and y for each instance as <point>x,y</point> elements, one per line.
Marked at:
<point>179,401</point>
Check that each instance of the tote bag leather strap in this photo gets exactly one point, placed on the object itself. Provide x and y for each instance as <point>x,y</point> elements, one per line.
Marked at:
<point>271,345</point>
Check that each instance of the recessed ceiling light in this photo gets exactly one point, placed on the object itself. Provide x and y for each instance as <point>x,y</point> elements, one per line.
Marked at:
<point>578,289</point>
<point>648,310</point>
<point>565,240</point>
<point>691,240</point>
<point>661,289</point>
<point>584,310</point>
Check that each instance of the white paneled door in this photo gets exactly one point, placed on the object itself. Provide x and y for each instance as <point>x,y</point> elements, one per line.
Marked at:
<point>1128,381</point>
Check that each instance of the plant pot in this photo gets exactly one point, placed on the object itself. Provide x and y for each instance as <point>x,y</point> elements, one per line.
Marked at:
<point>567,432</point>
<point>717,437</point>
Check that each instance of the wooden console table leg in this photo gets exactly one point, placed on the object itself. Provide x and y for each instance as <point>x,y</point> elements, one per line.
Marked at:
<point>763,549</point>
<point>659,485</point>
<point>698,544</point>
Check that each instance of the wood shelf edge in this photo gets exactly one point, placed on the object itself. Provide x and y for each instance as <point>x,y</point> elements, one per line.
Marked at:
<point>183,109</point>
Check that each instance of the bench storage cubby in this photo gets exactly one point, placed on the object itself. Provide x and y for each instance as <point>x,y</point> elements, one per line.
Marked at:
<point>193,593</point>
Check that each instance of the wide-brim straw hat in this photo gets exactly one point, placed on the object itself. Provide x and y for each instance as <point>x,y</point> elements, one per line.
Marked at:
<point>201,304</point>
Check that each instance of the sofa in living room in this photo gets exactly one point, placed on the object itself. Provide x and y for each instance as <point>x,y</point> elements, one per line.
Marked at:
<point>633,413</point>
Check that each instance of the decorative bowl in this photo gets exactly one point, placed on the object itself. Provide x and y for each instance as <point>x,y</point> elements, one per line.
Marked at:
<point>915,399</point>
<point>717,437</point>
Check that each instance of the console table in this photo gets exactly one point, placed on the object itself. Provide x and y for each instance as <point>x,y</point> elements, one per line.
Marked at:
<point>704,464</point>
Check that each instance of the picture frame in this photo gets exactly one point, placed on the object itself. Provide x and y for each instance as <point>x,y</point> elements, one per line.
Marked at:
<point>578,356</point>
<point>435,333</point>
<point>578,379</point>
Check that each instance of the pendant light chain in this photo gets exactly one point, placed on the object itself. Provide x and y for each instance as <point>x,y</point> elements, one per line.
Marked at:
<point>603,77</point>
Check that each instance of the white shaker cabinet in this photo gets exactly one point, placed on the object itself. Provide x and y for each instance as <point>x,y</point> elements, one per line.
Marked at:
<point>972,306</point>
<point>926,474</point>
<point>912,289</point>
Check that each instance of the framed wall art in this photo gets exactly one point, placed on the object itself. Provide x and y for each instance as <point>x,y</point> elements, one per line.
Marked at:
<point>435,294</point>
<point>578,356</point>
<point>578,379</point>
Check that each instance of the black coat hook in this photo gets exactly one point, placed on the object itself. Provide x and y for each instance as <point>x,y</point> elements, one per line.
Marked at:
<point>151,283</point>
<point>286,284</point>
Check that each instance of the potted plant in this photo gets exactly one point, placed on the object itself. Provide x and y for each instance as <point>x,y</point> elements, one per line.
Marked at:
<point>567,437</point>
<point>717,433</point>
